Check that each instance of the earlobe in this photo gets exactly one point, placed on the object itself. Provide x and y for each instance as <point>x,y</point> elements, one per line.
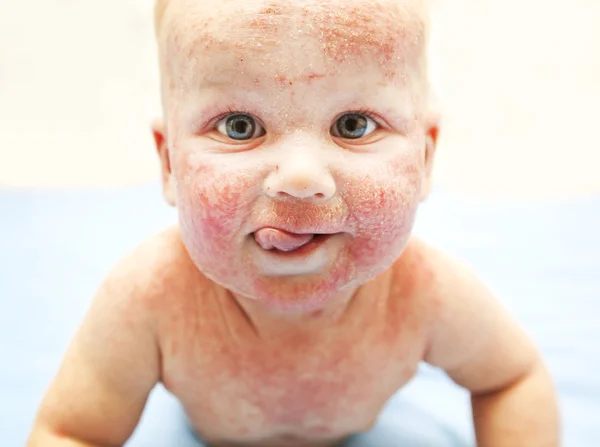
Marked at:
<point>161,142</point>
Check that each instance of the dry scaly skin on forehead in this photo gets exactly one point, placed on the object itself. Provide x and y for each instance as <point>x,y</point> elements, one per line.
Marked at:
<point>391,33</point>
<point>283,7</point>
<point>354,29</point>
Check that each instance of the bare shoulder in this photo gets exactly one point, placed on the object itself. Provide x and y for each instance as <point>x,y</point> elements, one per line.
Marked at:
<point>431,273</point>
<point>471,335</point>
<point>130,303</point>
<point>422,270</point>
<point>450,285</point>
<point>416,279</point>
<point>157,267</point>
<point>445,290</point>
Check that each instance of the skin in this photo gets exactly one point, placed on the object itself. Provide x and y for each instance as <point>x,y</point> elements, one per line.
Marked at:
<point>265,350</point>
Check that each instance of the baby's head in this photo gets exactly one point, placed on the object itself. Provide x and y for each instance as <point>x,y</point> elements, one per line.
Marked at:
<point>294,116</point>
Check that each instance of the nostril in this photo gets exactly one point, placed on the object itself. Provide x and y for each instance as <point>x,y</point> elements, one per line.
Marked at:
<point>283,194</point>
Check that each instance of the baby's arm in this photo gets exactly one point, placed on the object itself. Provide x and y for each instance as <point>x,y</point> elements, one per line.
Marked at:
<point>483,349</point>
<point>108,372</point>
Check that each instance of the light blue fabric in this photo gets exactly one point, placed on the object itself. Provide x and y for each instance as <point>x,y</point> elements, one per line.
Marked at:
<point>541,259</point>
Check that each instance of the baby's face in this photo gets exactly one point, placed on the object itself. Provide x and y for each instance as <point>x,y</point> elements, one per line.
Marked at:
<point>297,142</point>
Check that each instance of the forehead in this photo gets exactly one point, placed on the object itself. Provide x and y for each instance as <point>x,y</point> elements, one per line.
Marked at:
<point>339,30</point>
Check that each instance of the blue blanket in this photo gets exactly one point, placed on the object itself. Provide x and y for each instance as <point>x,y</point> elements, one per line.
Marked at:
<point>541,259</point>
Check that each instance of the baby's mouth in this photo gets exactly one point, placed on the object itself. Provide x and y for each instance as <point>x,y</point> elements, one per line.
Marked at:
<point>275,239</point>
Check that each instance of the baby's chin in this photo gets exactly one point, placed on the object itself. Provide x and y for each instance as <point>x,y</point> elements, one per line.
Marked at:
<point>297,293</point>
<point>300,293</point>
<point>306,293</point>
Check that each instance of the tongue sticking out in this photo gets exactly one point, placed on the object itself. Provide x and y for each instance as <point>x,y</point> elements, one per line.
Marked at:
<point>269,238</point>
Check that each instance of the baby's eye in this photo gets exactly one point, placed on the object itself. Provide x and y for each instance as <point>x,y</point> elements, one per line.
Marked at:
<point>353,126</point>
<point>240,127</point>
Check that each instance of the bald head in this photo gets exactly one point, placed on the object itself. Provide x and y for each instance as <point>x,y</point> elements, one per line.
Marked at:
<point>419,6</point>
<point>291,39</point>
<point>344,28</point>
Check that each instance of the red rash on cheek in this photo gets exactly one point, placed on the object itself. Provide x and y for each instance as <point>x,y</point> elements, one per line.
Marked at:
<point>212,204</point>
<point>383,212</point>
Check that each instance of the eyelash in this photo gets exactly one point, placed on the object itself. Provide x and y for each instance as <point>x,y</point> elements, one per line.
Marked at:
<point>366,112</point>
<point>229,111</point>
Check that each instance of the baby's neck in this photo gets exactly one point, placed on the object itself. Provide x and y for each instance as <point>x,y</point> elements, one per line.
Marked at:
<point>268,321</point>
<point>344,307</point>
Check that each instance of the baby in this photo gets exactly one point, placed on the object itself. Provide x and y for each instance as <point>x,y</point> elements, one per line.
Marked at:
<point>291,302</point>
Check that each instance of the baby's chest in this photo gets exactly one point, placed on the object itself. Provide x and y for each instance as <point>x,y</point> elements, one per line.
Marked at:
<point>328,390</point>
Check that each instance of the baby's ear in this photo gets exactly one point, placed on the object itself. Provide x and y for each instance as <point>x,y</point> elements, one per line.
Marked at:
<point>432,128</point>
<point>161,141</point>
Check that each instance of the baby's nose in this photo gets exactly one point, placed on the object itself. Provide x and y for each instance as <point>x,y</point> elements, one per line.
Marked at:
<point>301,181</point>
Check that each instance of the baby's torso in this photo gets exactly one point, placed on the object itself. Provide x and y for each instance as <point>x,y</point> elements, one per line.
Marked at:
<point>238,388</point>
